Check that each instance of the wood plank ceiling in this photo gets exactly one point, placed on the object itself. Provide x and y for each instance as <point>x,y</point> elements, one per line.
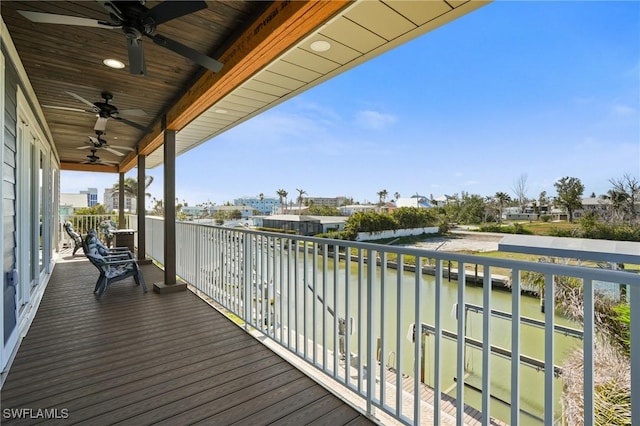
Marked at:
<point>265,48</point>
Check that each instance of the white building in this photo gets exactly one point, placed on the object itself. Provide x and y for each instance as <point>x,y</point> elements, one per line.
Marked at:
<point>112,201</point>
<point>419,201</point>
<point>264,205</point>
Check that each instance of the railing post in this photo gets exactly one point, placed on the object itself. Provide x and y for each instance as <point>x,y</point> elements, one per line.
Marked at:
<point>635,351</point>
<point>246,275</point>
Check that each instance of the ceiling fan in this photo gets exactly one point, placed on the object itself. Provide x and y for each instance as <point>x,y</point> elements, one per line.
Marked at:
<point>136,21</point>
<point>105,111</point>
<point>95,143</point>
<point>94,159</point>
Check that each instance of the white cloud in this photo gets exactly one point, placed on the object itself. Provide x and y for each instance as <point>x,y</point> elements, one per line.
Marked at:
<point>374,120</point>
<point>623,110</point>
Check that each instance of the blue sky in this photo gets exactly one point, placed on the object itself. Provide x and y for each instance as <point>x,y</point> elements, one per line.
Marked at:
<point>542,89</point>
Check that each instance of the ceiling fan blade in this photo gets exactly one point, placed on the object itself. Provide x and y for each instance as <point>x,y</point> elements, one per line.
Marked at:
<point>132,112</point>
<point>84,147</point>
<point>81,99</point>
<point>137,64</point>
<point>95,141</point>
<point>132,124</point>
<point>124,148</point>
<point>169,10</point>
<point>113,151</point>
<point>66,109</point>
<point>188,52</point>
<point>50,18</point>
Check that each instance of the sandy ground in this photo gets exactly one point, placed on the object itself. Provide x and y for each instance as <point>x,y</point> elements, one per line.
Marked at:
<point>462,241</point>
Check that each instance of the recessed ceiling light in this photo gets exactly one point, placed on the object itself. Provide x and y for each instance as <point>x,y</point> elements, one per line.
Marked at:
<point>221,111</point>
<point>113,63</point>
<point>320,46</point>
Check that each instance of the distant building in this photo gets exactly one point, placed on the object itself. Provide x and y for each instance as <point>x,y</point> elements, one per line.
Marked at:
<point>266,205</point>
<point>419,201</point>
<point>112,201</point>
<point>69,203</point>
<point>354,208</point>
<point>324,201</point>
<point>193,211</point>
<point>244,210</point>
<point>92,196</point>
<point>302,224</point>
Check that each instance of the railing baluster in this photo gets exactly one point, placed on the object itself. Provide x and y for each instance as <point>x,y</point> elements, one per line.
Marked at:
<point>549,309</point>
<point>634,327</point>
<point>314,306</point>
<point>515,347</point>
<point>460,346</point>
<point>383,321</point>
<point>336,268</point>
<point>347,318</point>
<point>486,345</point>
<point>371,365</point>
<point>417,341</point>
<point>437,379</point>
<point>588,350</point>
<point>399,332</point>
<point>325,273</point>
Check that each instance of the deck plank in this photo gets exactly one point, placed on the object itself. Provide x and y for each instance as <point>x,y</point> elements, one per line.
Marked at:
<point>136,358</point>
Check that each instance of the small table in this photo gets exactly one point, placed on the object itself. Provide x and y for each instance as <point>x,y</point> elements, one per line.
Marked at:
<point>123,238</point>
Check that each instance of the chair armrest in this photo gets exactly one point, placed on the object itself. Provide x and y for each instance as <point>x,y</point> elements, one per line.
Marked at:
<point>120,262</point>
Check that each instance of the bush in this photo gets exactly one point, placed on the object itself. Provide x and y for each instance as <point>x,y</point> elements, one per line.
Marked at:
<point>545,218</point>
<point>338,235</point>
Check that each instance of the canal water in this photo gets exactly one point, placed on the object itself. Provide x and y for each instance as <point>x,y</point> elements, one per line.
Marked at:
<point>342,291</point>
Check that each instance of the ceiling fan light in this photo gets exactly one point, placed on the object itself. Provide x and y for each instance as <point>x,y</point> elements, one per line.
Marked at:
<point>320,46</point>
<point>113,63</point>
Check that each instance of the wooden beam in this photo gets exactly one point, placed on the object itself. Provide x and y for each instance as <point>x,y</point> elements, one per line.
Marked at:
<point>88,167</point>
<point>279,28</point>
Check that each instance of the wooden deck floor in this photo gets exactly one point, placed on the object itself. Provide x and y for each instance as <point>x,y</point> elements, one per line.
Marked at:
<point>134,358</point>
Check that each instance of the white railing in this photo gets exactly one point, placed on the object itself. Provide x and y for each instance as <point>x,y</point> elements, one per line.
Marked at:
<point>352,319</point>
<point>83,223</point>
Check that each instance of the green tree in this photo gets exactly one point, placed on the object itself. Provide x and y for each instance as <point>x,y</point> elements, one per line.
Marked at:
<point>369,222</point>
<point>472,209</point>
<point>543,200</point>
<point>131,186</point>
<point>95,210</point>
<point>382,196</point>
<point>503,199</point>
<point>570,191</point>
<point>301,193</point>
<point>323,211</point>
<point>396,195</point>
<point>414,217</point>
<point>282,194</point>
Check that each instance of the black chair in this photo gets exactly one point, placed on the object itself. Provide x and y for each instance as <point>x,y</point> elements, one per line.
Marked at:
<point>77,239</point>
<point>113,267</point>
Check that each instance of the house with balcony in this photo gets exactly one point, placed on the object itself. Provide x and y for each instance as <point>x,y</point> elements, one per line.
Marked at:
<point>311,341</point>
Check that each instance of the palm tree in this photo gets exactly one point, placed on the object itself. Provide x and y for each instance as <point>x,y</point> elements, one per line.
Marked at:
<point>382,196</point>
<point>502,198</point>
<point>131,186</point>
<point>396,195</point>
<point>301,192</point>
<point>282,194</point>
